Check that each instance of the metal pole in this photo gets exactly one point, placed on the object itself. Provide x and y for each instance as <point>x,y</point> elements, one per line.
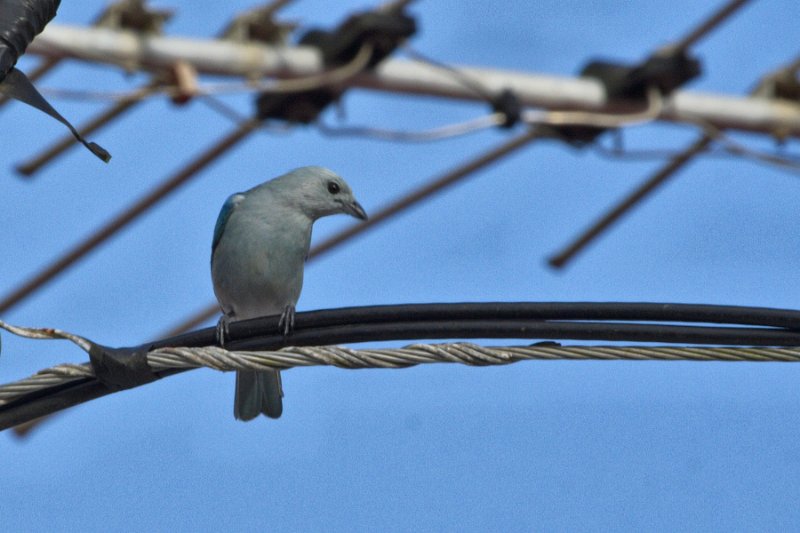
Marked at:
<point>253,60</point>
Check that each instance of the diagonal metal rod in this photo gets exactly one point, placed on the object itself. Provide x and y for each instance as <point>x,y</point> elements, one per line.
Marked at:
<point>388,211</point>
<point>36,163</point>
<point>708,25</point>
<point>678,162</point>
<point>271,8</point>
<point>128,216</point>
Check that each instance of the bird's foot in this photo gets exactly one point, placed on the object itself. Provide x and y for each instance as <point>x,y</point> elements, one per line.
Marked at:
<point>286,322</point>
<point>222,330</point>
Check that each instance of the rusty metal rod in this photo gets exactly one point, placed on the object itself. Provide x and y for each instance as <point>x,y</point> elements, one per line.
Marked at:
<point>704,28</point>
<point>560,259</point>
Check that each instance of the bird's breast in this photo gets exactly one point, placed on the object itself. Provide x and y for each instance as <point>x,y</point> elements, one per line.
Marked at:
<point>257,268</point>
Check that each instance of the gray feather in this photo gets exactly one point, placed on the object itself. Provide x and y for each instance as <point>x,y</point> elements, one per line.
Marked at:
<point>256,393</point>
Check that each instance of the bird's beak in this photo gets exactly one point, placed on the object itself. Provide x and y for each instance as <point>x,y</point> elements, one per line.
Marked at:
<point>354,208</point>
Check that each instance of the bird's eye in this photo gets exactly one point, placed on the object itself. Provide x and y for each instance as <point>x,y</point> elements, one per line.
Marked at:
<point>333,187</point>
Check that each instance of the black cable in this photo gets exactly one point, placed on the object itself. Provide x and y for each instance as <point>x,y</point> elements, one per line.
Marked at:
<point>616,322</point>
<point>598,311</point>
<point>523,329</point>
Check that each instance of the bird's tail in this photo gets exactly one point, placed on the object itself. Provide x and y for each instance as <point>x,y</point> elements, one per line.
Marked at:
<point>256,393</point>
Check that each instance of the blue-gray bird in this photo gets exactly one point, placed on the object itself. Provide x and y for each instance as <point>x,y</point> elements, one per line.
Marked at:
<point>261,241</point>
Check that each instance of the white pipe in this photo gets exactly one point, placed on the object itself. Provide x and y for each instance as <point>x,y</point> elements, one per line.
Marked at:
<point>253,60</point>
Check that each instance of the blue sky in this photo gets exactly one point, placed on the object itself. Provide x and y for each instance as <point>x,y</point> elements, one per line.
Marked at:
<point>533,446</point>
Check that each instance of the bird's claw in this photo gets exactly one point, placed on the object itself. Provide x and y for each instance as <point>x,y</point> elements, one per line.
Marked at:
<point>286,322</point>
<point>222,330</point>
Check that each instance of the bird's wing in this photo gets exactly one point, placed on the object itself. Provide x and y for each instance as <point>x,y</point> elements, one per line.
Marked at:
<point>227,209</point>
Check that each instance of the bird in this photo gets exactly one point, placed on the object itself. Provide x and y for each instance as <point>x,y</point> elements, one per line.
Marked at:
<point>261,241</point>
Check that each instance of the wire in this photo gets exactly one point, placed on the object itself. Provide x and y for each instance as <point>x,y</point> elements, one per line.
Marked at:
<point>655,104</point>
<point>167,359</point>
<point>498,118</point>
<point>616,322</point>
<point>434,134</point>
<point>223,109</point>
<point>538,117</point>
<point>560,259</point>
<point>782,162</point>
<point>619,151</point>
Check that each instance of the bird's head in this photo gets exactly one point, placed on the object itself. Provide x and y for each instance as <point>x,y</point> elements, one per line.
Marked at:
<point>318,192</point>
